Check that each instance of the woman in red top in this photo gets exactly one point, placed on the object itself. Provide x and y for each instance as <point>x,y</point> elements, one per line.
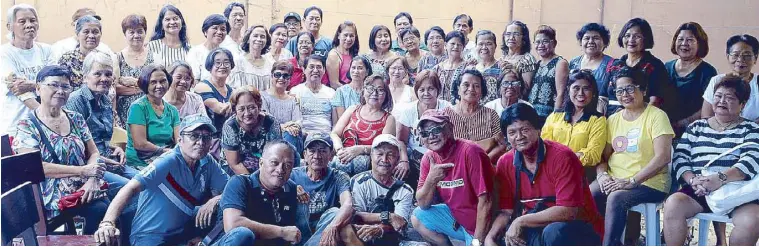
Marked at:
<point>305,45</point>
<point>359,125</point>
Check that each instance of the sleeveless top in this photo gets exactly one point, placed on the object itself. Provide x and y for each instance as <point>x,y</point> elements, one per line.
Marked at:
<point>543,93</point>
<point>217,119</point>
<point>123,102</point>
<point>360,131</point>
<point>345,68</point>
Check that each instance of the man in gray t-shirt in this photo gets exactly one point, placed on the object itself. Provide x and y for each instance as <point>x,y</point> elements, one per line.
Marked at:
<point>380,221</point>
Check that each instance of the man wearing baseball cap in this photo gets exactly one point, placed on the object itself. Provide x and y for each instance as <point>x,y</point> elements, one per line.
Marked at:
<point>292,21</point>
<point>180,188</point>
<point>70,43</point>
<point>325,190</point>
<point>461,172</point>
<point>383,203</point>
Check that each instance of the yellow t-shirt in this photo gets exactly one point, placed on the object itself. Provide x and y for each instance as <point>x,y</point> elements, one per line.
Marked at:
<point>633,144</point>
<point>586,137</point>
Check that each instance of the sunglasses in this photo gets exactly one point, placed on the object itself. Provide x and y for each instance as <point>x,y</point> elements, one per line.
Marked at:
<point>280,75</point>
<point>432,131</point>
<point>194,137</point>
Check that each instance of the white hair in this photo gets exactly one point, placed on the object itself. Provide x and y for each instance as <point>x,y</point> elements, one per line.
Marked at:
<point>96,57</point>
<point>11,15</point>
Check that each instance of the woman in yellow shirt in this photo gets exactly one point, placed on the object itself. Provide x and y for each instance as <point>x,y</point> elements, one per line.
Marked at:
<point>638,149</point>
<point>579,125</point>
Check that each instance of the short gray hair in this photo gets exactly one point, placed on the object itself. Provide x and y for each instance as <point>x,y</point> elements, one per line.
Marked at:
<point>96,57</point>
<point>11,15</point>
<point>85,20</point>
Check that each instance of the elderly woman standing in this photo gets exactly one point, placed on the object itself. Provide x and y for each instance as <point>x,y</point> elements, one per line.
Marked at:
<point>633,169</point>
<point>70,157</point>
<point>593,39</point>
<point>357,128</point>
<point>277,51</point>
<point>88,34</point>
<point>451,68</point>
<point>216,91</point>
<point>485,45</point>
<point>397,71</point>
<point>742,52</point>
<point>247,131</point>
<point>131,60</point>
<point>579,125</point>
<point>471,120</point>
<point>179,95</point>
<point>380,41</point>
<point>435,41</point>
<point>550,81</point>
<point>350,94</point>
<point>252,68</point>
<point>509,86</point>
<point>22,58</point>
<point>345,46</point>
<point>637,37</point>
<point>283,107</point>
<point>153,123</point>
<point>701,143</point>
<point>516,52</point>
<point>92,101</point>
<point>169,42</point>
<point>314,98</point>
<point>214,29</point>
<point>411,41</point>
<point>427,89</point>
<point>690,73</point>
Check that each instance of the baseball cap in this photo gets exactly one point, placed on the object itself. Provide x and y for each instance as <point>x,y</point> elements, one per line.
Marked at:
<point>292,15</point>
<point>318,137</point>
<point>84,11</point>
<point>386,138</point>
<point>438,116</point>
<point>195,121</point>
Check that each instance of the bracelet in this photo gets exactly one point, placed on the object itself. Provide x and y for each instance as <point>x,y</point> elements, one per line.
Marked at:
<point>106,222</point>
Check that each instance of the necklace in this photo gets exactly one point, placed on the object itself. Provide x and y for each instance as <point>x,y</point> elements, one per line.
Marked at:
<point>725,126</point>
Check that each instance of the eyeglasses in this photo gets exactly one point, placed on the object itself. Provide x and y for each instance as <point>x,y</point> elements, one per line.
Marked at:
<point>542,42</point>
<point>248,108</point>
<point>633,36</point>
<point>305,42</point>
<point>194,137</point>
<point>182,78</point>
<point>409,39</point>
<point>280,75</point>
<point>628,89</point>
<point>512,34</point>
<point>511,84</point>
<point>222,64</point>
<point>371,90</point>
<point>437,130</point>
<point>727,98</point>
<point>291,23</point>
<point>742,57</point>
<point>60,87</point>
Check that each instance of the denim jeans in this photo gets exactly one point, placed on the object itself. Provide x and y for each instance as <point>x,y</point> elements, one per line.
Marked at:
<point>296,141</point>
<point>320,225</point>
<point>570,233</point>
<point>614,208</point>
<point>189,231</point>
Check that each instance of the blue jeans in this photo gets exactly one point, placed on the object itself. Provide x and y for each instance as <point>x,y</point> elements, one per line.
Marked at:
<point>320,225</point>
<point>296,141</point>
<point>614,208</point>
<point>570,233</point>
<point>438,218</point>
<point>189,231</point>
<point>239,236</point>
<point>357,165</point>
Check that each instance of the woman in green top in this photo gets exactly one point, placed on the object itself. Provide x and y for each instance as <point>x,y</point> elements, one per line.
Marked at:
<point>152,123</point>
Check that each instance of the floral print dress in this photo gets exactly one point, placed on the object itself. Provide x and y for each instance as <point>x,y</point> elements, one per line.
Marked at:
<point>123,102</point>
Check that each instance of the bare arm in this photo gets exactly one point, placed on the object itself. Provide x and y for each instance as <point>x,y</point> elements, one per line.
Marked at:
<point>118,203</point>
<point>140,139</point>
<point>234,218</point>
<point>499,225</point>
<point>344,215</point>
<point>337,130</point>
<point>706,110</point>
<point>402,132</point>
<point>662,157</point>
<point>92,152</point>
<point>527,78</point>
<point>333,69</point>
<point>603,166</point>
<point>31,103</point>
<point>426,194</point>
<point>233,159</point>
<point>213,104</point>
<point>484,206</point>
<point>562,76</point>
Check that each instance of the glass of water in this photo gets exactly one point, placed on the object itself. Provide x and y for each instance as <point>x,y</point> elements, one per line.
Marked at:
<point>79,225</point>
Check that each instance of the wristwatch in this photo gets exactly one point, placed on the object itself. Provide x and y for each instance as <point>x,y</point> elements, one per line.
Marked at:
<point>476,242</point>
<point>385,217</point>
<point>632,181</point>
<point>722,177</point>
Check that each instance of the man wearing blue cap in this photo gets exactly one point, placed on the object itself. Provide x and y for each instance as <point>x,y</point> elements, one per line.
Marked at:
<point>178,193</point>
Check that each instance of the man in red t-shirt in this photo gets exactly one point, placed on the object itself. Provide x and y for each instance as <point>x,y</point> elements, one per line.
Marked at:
<point>557,206</point>
<point>460,172</point>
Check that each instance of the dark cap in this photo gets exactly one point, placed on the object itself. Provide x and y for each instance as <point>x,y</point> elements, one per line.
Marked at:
<point>84,11</point>
<point>292,15</point>
<point>318,137</point>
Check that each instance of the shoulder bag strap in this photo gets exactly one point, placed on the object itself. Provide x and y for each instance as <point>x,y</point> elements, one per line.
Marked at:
<point>728,152</point>
<point>43,138</point>
<point>517,195</point>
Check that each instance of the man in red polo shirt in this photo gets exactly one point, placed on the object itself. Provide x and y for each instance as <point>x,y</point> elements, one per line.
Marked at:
<point>556,205</point>
<point>460,171</point>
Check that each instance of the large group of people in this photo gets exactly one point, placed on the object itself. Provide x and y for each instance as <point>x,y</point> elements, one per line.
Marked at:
<point>283,136</point>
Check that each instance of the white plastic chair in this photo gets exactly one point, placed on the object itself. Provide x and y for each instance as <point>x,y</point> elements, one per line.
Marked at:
<point>650,211</point>
<point>704,220</point>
